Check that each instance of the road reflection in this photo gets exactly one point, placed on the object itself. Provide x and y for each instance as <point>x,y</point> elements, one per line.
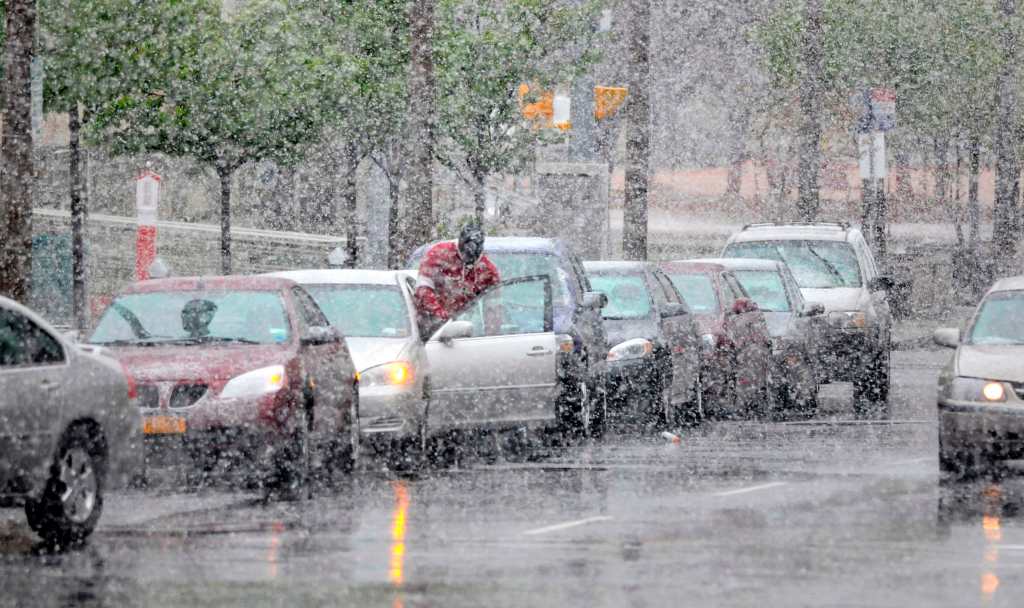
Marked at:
<point>396,566</point>
<point>276,529</point>
<point>991,526</point>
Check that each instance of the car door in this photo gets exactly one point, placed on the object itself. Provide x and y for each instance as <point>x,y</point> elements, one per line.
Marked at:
<point>505,372</point>
<point>680,335</point>
<point>750,334</point>
<point>328,363</point>
<point>33,371</point>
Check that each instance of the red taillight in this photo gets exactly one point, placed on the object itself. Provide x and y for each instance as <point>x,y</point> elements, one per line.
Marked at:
<point>133,389</point>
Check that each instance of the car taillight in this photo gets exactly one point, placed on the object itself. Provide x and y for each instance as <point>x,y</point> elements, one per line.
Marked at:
<point>133,388</point>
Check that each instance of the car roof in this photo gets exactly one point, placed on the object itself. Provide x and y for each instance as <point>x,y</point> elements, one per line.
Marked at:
<point>339,276</point>
<point>743,263</point>
<point>820,231</point>
<point>236,282</point>
<point>1009,284</point>
<point>691,266</point>
<point>28,312</point>
<point>596,266</point>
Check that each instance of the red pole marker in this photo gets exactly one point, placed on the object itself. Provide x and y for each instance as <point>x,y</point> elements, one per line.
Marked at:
<point>147,197</point>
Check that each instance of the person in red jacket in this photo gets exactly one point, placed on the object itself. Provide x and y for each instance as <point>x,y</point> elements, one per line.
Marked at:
<point>451,275</point>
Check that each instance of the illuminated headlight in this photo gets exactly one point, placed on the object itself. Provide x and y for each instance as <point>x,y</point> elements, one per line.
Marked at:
<point>848,319</point>
<point>977,390</point>
<point>707,341</point>
<point>395,373</point>
<point>637,348</point>
<point>255,383</point>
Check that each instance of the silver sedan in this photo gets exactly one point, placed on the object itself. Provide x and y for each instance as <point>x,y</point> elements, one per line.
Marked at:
<point>68,429</point>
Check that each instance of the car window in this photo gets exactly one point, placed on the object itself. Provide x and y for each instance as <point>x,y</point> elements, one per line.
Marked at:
<point>698,289</point>
<point>733,286</point>
<point>814,264</point>
<point>194,317</point>
<point>628,295</point>
<point>509,309</point>
<point>364,311</point>
<point>667,288</point>
<point>766,288</point>
<point>23,343</point>
<point>1000,319</point>
<point>312,315</point>
<point>513,265</point>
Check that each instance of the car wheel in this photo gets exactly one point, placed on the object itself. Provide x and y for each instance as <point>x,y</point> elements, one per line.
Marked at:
<point>598,408</point>
<point>693,411</point>
<point>72,499</point>
<point>871,387</point>
<point>352,452</point>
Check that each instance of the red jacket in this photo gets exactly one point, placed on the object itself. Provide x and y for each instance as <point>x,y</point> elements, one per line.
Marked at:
<point>445,286</point>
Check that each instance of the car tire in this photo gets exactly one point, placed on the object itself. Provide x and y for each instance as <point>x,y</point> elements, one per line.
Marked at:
<point>67,511</point>
<point>692,412</point>
<point>598,408</point>
<point>352,451</point>
<point>871,387</point>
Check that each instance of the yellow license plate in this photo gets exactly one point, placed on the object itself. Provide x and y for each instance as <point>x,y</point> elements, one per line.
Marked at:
<point>163,425</point>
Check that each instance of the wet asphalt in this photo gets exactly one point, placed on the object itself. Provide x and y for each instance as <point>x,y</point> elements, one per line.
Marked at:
<point>828,511</point>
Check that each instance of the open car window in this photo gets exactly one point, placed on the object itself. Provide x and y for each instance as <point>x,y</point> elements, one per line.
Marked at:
<point>519,306</point>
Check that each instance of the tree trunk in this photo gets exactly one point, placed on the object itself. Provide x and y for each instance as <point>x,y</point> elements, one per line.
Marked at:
<point>808,203</point>
<point>78,217</point>
<point>420,176</point>
<point>1004,236</point>
<point>738,155</point>
<point>396,252</point>
<point>479,194</point>
<point>349,201</point>
<point>973,207</point>
<point>225,173</point>
<point>638,134</point>
<point>16,165</point>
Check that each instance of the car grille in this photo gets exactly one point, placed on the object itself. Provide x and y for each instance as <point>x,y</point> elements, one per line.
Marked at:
<point>1018,387</point>
<point>185,395</point>
<point>148,395</point>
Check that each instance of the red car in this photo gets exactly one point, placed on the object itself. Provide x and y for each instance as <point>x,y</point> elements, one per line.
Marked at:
<point>242,367</point>
<point>737,348</point>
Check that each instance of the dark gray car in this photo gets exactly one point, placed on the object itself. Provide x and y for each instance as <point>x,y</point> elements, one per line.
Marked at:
<point>654,355</point>
<point>797,329</point>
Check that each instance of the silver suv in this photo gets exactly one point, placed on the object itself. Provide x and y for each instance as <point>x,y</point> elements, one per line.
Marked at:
<point>833,265</point>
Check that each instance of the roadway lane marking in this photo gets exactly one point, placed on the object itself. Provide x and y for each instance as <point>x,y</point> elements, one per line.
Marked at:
<point>567,525</point>
<point>763,486</point>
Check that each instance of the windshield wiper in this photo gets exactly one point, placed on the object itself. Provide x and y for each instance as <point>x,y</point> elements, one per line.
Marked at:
<point>133,321</point>
<point>130,342</point>
<point>216,340</point>
<point>828,265</point>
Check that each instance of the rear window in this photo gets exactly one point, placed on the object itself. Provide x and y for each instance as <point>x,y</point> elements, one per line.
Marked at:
<point>363,311</point>
<point>766,288</point>
<point>697,289</point>
<point>814,264</point>
<point>628,296</point>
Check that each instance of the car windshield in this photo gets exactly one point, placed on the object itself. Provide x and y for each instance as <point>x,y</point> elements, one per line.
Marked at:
<point>194,317</point>
<point>363,311</point>
<point>814,264</point>
<point>766,288</point>
<point>628,296</point>
<point>697,289</point>
<point>1000,320</point>
<point>523,264</point>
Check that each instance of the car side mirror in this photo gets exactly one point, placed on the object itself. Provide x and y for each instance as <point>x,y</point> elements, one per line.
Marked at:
<point>947,336</point>
<point>881,283</point>
<point>673,310</point>
<point>743,305</point>
<point>453,330</point>
<point>595,300</point>
<point>813,309</point>
<point>318,335</point>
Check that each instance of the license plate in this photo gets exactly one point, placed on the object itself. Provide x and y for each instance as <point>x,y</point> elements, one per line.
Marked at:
<point>163,425</point>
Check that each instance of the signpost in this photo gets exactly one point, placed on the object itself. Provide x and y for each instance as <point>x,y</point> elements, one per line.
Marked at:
<point>877,109</point>
<point>147,198</point>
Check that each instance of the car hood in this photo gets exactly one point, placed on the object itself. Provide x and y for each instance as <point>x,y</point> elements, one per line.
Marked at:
<point>838,298</point>
<point>368,352</point>
<point>779,323</point>
<point>207,363</point>
<point>620,330</point>
<point>1003,362</point>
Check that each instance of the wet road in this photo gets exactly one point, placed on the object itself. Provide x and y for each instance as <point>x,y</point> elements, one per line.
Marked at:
<point>823,512</point>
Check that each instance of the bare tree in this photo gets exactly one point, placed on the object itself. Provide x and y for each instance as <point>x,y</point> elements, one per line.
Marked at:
<point>1004,214</point>
<point>638,134</point>
<point>811,110</point>
<point>16,165</point>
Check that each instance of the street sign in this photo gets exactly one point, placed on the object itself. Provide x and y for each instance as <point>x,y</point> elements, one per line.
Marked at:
<point>147,198</point>
<point>883,109</point>
<point>871,152</point>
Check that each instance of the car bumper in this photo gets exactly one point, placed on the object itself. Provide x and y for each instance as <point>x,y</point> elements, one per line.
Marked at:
<point>997,430</point>
<point>388,412</point>
<point>631,379</point>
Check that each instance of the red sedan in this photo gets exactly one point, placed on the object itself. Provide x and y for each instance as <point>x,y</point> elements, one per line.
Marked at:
<point>737,348</point>
<point>246,368</point>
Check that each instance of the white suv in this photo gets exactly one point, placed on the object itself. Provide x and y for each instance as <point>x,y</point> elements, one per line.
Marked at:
<point>833,265</point>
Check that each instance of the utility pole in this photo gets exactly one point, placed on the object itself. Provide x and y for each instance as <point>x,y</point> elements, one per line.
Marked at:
<point>1005,233</point>
<point>638,133</point>
<point>810,109</point>
<point>16,164</point>
<point>418,228</point>
<point>78,216</point>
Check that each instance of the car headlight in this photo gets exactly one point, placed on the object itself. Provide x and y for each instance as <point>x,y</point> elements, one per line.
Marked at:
<point>977,390</point>
<point>394,373</point>
<point>637,348</point>
<point>257,382</point>
<point>848,319</point>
